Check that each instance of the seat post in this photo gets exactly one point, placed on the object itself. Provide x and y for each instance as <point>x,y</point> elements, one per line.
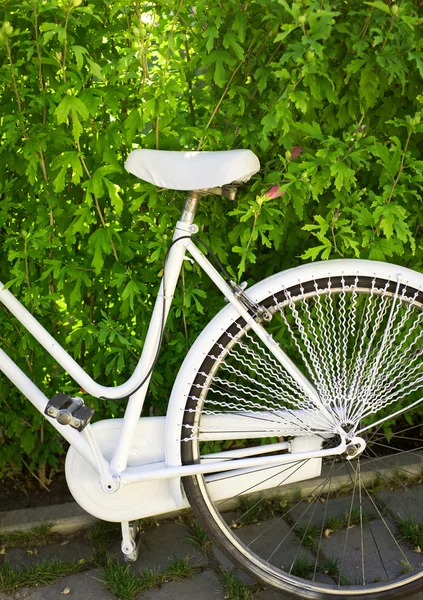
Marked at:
<point>190,208</point>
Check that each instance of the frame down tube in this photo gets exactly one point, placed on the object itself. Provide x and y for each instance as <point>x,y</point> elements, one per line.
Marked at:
<point>39,400</point>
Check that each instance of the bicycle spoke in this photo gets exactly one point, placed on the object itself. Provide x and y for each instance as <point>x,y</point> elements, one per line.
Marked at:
<point>323,521</point>
<point>359,341</point>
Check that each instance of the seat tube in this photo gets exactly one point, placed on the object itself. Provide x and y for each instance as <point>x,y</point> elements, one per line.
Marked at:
<point>172,270</point>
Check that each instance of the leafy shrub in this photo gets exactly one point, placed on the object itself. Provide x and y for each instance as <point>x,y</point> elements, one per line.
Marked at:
<point>83,242</point>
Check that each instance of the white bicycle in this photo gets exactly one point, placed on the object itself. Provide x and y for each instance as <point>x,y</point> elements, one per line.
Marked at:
<point>293,425</point>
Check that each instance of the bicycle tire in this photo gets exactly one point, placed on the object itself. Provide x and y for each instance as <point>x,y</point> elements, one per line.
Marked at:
<point>397,315</point>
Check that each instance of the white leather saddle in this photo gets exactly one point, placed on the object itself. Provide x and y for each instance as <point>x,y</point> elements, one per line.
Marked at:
<point>191,171</point>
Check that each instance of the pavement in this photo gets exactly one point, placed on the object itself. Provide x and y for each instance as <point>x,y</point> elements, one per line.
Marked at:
<point>166,542</point>
<point>161,546</point>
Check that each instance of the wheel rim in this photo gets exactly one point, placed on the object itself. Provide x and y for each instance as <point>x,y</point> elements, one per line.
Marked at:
<point>352,336</point>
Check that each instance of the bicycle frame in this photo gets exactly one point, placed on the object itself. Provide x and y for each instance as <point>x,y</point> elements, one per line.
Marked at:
<point>84,442</point>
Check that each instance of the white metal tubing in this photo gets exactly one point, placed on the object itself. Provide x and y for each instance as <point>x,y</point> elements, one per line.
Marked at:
<point>267,339</point>
<point>39,400</point>
<point>63,358</point>
<point>241,452</point>
<point>136,401</point>
<point>149,473</point>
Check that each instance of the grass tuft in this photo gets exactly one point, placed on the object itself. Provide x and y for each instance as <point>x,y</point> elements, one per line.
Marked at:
<point>303,567</point>
<point>198,536</point>
<point>404,568</point>
<point>120,580</point>
<point>330,566</point>
<point>412,531</point>
<point>256,508</point>
<point>180,568</point>
<point>150,579</point>
<point>31,537</point>
<point>101,536</point>
<point>43,573</point>
<point>309,535</point>
<point>345,520</point>
<point>234,588</point>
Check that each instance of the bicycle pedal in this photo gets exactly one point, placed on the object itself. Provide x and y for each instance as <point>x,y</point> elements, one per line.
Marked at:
<point>69,411</point>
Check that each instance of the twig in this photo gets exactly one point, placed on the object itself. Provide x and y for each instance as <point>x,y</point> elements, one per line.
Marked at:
<point>103,222</point>
<point>400,169</point>
<point>34,475</point>
<point>388,201</point>
<point>216,109</point>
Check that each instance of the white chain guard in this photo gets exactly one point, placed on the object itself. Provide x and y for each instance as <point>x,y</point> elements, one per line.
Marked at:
<point>139,500</point>
<point>130,502</point>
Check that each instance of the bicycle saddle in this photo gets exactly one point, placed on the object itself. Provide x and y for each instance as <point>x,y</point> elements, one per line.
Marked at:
<point>191,171</point>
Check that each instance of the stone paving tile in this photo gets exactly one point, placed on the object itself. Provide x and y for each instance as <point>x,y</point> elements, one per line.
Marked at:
<point>74,549</point>
<point>82,586</point>
<point>272,540</point>
<point>404,503</point>
<point>318,512</point>
<point>160,545</point>
<point>206,586</point>
<point>380,560</point>
<point>224,561</point>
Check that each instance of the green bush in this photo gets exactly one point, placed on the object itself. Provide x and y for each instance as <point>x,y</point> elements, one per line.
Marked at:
<point>83,241</point>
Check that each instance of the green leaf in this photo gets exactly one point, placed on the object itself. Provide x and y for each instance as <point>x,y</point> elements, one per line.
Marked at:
<point>364,216</point>
<point>230,40</point>
<point>211,33</point>
<point>67,104</point>
<point>388,215</point>
<point>300,99</point>
<point>130,291</point>
<point>76,293</point>
<point>354,66</point>
<point>284,34</point>
<point>311,129</point>
<point>28,439</point>
<point>381,6</point>
<point>99,178</point>
<point>418,57</point>
<point>59,180</point>
<point>116,200</point>
<point>313,253</point>
<point>369,87</point>
<point>76,126</point>
<point>98,245</point>
<point>240,26</point>
<point>219,58</point>
<point>344,176</point>
<point>79,52</point>
<point>95,69</point>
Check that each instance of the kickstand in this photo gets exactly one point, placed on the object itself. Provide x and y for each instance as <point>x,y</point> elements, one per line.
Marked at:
<point>130,540</point>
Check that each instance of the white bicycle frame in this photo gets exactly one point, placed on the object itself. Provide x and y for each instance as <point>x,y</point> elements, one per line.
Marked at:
<point>116,473</point>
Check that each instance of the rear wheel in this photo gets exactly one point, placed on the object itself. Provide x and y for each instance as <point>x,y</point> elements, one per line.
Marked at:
<point>331,528</point>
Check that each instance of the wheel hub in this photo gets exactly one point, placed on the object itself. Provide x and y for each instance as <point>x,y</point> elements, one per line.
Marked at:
<point>355,447</point>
